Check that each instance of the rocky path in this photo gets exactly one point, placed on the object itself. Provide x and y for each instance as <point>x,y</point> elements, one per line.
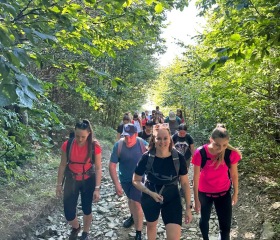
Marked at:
<point>109,215</point>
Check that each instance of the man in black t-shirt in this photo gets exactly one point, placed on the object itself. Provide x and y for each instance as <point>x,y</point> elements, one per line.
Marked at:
<point>184,143</point>
<point>147,133</point>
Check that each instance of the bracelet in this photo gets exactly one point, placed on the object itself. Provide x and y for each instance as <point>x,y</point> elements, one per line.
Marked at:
<point>59,184</point>
<point>97,187</point>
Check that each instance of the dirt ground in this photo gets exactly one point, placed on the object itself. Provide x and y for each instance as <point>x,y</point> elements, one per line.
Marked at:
<point>43,218</point>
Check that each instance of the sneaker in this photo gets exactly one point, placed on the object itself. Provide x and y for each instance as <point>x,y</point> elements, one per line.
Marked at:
<point>74,233</point>
<point>138,236</point>
<point>84,236</point>
<point>128,222</point>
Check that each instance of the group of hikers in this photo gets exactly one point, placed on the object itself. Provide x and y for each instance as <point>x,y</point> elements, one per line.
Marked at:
<point>149,163</point>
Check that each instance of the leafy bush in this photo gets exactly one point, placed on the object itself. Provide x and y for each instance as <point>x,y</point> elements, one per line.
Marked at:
<point>105,133</point>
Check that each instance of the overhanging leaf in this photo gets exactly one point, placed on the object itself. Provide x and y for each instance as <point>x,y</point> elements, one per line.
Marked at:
<point>24,99</point>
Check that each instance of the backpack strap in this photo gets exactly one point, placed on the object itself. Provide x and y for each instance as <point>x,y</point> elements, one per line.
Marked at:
<point>69,148</point>
<point>120,144</point>
<point>151,158</point>
<point>176,161</point>
<point>227,159</point>
<point>138,139</point>
<point>204,158</point>
<point>142,145</point>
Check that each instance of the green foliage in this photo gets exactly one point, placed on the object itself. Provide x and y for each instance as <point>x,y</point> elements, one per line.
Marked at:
<point>241,30</point>
<point>105,133</point>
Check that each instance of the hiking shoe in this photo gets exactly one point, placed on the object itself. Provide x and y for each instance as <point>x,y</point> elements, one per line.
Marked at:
<point>138,236</point>
<point>74,233</point>
<point>84,236</point>
<point>128,222</point>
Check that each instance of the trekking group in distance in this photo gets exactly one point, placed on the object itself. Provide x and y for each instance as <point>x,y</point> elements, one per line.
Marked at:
<point>149,163</point>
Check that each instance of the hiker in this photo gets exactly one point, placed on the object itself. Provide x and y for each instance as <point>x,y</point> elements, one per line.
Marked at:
<point>126,119</point>
<point>144,120</point>
<point>184,143</point>
<point>80,173</point>
<point>147,115</point>
<point>127,152</point>
<point>180,115</point>
<point>147,133</point>
<point>214,165</point>
<point>174,122</point>
<point>137,122</point>
<point>164,167</point>
<point>157,119</point>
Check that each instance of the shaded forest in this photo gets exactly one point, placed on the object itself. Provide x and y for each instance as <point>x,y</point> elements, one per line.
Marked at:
<point>64,60</point>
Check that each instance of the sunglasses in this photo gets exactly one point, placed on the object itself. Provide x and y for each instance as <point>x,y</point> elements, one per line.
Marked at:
<point>82,125</point>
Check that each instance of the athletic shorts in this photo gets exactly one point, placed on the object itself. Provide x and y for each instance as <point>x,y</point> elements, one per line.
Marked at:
<point>171,208</point>
<point>131,192</point>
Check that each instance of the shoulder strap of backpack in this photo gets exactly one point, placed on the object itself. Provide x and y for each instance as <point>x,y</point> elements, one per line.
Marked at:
<point>69,148</point>
<point>151,158</point>
<point>203,154</point>
<point>120,144</point>
<point>176,161</point>
<point>227,159</point>
<point>142,145</point>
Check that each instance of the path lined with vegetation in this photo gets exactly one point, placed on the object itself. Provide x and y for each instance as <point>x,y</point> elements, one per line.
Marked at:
<point>62,61</point>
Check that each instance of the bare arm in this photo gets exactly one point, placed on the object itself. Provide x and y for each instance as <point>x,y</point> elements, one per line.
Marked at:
<point>114,176</point>
<point>192,149</point>
<point>137,182</point>
<point>118,137</point>
<point>195,187</point>
<point>184,179</point>
<point>234,179</point>
<point>60,174</point>
<point>98,176</point>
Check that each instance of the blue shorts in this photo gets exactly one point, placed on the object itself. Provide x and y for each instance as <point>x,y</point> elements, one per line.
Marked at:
<point>131,192</point>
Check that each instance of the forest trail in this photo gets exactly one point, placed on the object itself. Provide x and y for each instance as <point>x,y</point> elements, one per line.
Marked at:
<point>112,210</point>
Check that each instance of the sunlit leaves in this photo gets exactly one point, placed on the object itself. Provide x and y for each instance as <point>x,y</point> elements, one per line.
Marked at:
<point>159,8</point>
<point>235,37</point>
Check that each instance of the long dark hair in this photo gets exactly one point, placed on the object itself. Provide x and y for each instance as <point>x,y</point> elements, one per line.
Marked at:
<point>86,125</point>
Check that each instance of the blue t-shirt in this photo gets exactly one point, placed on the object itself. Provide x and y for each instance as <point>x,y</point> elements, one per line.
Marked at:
<point>128,159</point>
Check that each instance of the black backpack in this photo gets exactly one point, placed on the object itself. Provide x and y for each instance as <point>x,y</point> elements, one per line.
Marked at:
<point>176,161</point>
<point>204,158</point>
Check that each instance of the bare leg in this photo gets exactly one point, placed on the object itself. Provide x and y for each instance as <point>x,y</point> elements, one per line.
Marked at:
<point>74,223</point>
<point>152,230</point>
<point>87,222</point>
<point>137,213</point>
<point>173,231</point>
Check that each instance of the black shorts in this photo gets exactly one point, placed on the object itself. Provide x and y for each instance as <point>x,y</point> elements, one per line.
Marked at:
<point>72,189</point>
<point>171,208</point>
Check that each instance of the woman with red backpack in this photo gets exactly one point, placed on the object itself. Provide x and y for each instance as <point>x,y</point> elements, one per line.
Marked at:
<point>80,174</point>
